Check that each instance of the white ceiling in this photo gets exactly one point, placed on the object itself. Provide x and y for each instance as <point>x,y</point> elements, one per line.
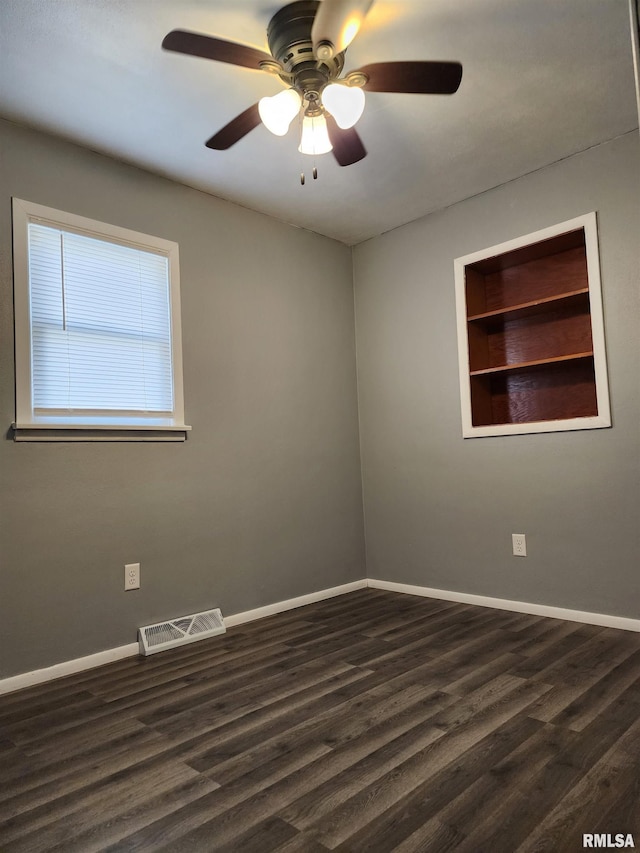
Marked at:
<point>543,79</point>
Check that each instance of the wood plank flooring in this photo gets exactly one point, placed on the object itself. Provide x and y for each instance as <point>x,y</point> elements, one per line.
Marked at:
<point>370,722</point>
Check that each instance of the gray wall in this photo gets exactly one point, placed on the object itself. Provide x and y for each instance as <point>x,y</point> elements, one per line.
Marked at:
<point>440,510</point>
<point>262,503</point>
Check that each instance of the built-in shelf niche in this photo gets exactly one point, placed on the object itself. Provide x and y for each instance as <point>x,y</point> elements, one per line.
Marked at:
<point>530,334</point>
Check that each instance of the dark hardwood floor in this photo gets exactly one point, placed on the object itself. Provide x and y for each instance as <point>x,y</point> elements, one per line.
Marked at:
<point>370,722</point>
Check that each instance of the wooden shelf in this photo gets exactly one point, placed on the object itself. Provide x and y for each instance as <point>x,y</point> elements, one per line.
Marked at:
<point>528,351</point>
<point>535,306</point>
<point>538,362</point>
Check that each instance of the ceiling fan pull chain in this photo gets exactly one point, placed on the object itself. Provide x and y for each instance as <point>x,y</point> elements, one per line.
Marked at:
<point>302,178</point>
<point>315,173</point>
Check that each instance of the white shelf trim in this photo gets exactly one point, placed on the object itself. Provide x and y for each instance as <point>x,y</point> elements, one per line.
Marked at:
<point>587,222</point>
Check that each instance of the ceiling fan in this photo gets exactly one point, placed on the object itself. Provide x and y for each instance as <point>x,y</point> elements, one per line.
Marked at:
<point>308,40</point>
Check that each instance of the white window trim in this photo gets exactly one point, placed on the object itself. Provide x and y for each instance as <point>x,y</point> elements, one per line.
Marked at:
<point>31,427</point>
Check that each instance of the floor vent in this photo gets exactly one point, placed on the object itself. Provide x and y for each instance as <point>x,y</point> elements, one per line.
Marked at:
<point>178,632</point>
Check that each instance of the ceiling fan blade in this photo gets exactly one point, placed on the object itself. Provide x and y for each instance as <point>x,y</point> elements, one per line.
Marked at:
<point>235,130</point>
<point>208,47</point>
<point>347,145</point>
<point>420,78</point>
<point>337,23</point>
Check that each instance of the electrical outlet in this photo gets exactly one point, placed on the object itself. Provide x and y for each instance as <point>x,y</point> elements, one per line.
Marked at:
<point>519,544</point>
<point>132,576</point>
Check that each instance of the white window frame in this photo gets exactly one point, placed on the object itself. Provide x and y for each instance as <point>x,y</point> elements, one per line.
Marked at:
<point>28,425</point>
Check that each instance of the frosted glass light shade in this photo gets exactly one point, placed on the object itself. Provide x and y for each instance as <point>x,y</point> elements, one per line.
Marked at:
<point>278,111</point>
<point>345,103</point>
<point>315,137</point>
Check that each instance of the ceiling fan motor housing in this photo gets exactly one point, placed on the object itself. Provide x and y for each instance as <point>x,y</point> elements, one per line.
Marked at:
<point>289,37</point>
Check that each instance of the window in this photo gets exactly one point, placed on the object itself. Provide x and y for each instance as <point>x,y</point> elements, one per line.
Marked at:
<point>98,347</point>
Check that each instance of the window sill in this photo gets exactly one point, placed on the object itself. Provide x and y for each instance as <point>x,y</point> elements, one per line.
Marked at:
<point>97,432</point>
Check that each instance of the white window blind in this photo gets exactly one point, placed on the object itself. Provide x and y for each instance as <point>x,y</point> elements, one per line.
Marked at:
<point>100,324</point>
<point>97,330</point>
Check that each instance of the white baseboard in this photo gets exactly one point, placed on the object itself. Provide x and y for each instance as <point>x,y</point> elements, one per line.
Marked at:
<point>68,667</point>
<point>603,619</point>
<point>59,670</point>
<point>291,603</point>
<point>39,676</point>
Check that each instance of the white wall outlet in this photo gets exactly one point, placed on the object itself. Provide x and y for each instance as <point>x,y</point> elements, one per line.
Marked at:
<point>519,544</point>
<point>132,576</point>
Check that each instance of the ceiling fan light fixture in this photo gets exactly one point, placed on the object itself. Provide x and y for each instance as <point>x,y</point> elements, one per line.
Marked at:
<point>307,42</point>
<point>315,136</point>
<point>345,103</point>
<point>278,111</point>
